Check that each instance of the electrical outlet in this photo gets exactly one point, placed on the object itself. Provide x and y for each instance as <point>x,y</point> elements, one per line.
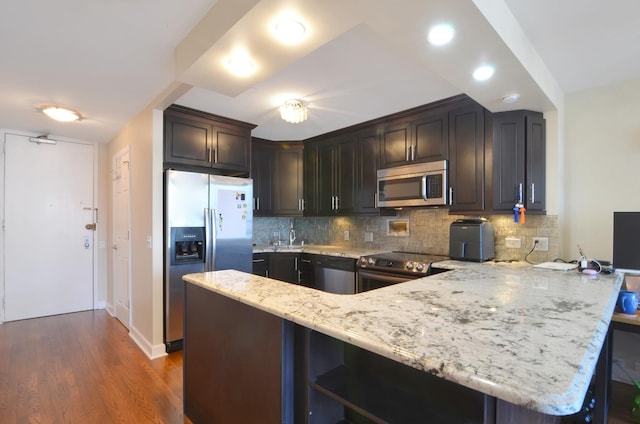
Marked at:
<point>513,242</point>
<point>368,236</point>
<point>346,235</point>
<point>543,243</point>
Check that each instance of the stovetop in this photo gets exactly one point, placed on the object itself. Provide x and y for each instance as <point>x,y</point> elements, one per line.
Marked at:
<point>402,262</point>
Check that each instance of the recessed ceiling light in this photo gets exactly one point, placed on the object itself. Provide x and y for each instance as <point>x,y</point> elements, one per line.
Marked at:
<point>60,113</point>
<point>240,65</point>
<point>289,30</point>
<point>483,73</point>
<point>511,98</point>
<point>441,34</point>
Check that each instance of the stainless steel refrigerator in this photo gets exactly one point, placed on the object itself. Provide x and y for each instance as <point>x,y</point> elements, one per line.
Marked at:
<point>208,226</point>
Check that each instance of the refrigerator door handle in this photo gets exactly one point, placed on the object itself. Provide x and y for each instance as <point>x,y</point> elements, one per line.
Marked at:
<point>209,240</point>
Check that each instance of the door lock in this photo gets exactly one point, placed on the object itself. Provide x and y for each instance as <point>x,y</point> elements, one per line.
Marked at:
<point>90,227</point>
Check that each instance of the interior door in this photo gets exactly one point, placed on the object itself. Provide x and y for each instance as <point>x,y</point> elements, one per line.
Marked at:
<point>121,237</point>
<point>48,250</point>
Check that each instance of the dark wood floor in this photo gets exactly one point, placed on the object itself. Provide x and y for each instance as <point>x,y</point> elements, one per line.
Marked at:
<point>84,368</point>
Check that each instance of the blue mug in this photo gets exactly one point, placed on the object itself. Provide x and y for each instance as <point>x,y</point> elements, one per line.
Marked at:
<point>627,302</point>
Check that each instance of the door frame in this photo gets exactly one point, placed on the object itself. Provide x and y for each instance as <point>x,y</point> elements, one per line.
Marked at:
<point>97,234</point>
<point>124,151</point>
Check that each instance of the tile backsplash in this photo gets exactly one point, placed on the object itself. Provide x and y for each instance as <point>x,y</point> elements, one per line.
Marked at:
<point>428,232</point>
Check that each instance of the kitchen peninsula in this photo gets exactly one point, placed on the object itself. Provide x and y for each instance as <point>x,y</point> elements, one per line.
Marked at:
<point>516,340</point>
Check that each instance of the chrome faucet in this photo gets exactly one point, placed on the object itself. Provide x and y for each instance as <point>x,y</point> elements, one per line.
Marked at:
<point>292,233</point>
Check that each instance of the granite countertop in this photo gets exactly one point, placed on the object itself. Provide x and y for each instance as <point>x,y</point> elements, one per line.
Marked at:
<point>529,336</point>
<point>317,249</point>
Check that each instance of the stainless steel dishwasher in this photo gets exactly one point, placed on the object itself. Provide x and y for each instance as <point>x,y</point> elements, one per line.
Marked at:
<point>335,274</point>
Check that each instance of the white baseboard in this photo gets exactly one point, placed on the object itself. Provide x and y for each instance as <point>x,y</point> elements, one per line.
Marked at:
<point>109,308</point>
<point>152,351</point>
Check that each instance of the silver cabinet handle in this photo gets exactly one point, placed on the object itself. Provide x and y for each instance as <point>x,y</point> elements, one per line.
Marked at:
<point>450,196</point>
<point>408,153</point>
<point>520,200</point>
<point>337,203</point>
<point>533,193</point>
<point>333,202</point>
<point>302,201</point>
<point>413,152</point>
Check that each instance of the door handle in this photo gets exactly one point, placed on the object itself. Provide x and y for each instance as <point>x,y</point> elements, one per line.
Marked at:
<point>90,227</point>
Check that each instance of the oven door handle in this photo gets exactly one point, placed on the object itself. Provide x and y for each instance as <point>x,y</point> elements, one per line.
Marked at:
<point>385,277</point>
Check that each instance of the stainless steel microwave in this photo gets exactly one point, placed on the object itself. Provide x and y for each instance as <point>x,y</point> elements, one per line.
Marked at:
<point>419,184</point>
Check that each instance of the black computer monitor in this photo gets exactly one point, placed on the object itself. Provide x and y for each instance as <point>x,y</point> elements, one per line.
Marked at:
<point>626,241</point>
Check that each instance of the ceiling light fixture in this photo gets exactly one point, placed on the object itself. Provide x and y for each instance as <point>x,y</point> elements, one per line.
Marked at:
<point>289,31</point>
<point>60,113</point>
<point>240,65</point>
<point>293,111</point>
<point>483,73</point>
<point>441,34</point>
<point>511,98</point>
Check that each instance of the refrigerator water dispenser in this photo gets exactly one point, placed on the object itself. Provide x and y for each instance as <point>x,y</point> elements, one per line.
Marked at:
<point>187,245</point>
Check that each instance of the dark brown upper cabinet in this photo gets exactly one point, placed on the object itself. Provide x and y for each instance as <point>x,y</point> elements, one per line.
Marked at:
<point>262,162</point>
<point>287,180</point>
<point>421,137</point>
<point>519,160</point>
<point>194,140</point>
<point>467,158</point>
<point>277,172</point>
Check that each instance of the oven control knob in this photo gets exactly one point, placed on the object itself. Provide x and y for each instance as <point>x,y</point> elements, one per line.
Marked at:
<point>372,261</point>
<point>420,267</point>
<point>409,265</point>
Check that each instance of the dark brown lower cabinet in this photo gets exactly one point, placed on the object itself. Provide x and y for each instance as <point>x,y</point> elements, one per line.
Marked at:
<point>236,362</point>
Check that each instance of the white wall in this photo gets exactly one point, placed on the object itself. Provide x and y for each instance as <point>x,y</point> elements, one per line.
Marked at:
<point>602,165</point>
<point>146,279</point>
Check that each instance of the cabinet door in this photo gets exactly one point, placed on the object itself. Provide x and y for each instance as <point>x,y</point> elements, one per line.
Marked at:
<point>395,145</point>
<point>346,176</point>
<point>518,160</point>
<point>325,182</point>
<point>368,165</point>
<point>231,148</point>
<point>284,267</point>
<point>262,175</point>
<point>508,159</point>
<point>288,177</point>
<point>466,158</point>
<point>536,160</point>
<point>260,264</point>
<point>187,140</point>
<point>310,180</point>
<point>431,137</point>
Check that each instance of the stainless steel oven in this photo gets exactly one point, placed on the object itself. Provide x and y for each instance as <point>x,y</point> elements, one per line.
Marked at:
<point>385,269</point>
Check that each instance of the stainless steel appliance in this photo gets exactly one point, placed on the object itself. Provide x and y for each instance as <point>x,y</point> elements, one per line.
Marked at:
<point>420,184</point>
<point>471,240</point>
<point>385,269</point>
<point>208,226</point>
<point>334,274</point>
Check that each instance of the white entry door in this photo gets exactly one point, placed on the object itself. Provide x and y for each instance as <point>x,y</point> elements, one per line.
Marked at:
<point>48,251</point>
<point>121,236</point>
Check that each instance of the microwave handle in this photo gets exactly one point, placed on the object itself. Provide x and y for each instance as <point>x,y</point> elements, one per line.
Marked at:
<point>424,188</point>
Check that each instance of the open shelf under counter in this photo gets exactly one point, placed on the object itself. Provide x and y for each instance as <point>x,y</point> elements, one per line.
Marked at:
<point>352,384</point>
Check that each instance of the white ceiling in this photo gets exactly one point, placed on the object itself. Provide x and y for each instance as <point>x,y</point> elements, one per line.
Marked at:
<point>363,59</point>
